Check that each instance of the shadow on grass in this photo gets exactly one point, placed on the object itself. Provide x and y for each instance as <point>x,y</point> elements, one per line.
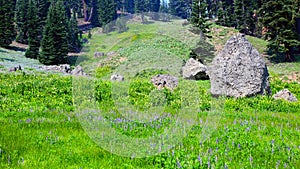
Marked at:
<point>204,51</point>
<point>76,60</point>
<point>6,59</point>
<point>15,48</point>
<point>280,57</point>
<point>2,51</point>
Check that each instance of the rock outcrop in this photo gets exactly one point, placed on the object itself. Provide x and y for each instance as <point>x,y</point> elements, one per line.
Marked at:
<point>285,94</point>
<point>239,70</point>
<point>98,54</point>
<point>194,70</point>
<point>64,68</point>
<point>117,77</point>
<point>168,81</point>
<point>78,71</point>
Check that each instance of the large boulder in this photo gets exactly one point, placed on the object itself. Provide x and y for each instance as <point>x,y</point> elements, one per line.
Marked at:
<point>168,81</point>
<point>194,70</point>
<point>285,94</point>
<point>239,70</point>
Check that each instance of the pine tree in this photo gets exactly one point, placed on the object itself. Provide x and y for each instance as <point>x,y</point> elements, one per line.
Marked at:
<point>54,44</point>
<point>129,6</point>
<point>7,31</point>
<point>180,8</point>
<point>43,7</point>
<point>95,13</point>
<point>107,11</point>
<point>73,35</point>
<point>22,21</point>
<point>244,10</point>
<point>199,18</point>
<point>279,19</point>
<point>33,31</point>
<point>226,13</point>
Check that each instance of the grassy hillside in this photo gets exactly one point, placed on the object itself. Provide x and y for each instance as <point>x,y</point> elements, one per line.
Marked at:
<point>40,127</point>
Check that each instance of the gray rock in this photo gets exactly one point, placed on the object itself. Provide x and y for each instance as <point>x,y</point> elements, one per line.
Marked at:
<point>78,71</point>
<point>110,54</point>
<point>14,69</point>
<point>285,94</point>
<point>64,68</point>
<point>168,81</point>
<point>98,54</point>
<point>194,70</point>
<point>239,70</point>
<point>117,77</point>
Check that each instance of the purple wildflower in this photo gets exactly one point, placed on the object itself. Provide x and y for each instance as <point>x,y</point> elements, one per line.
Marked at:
<point>208,162</point>
<point>200,160</point>
<point>178,164</point>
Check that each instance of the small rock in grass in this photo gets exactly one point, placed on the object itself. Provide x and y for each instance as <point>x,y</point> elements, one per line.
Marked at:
<point>117,77</point>
<point>285,94</point>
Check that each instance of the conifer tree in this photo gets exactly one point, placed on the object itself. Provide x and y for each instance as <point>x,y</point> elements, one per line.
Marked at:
<point>7,31</point>
<point>244,20</point>
<point>43,7</point>
<point>54,45</point>
<point>279,19</point>
<point>199,18</point>
<point>33,31</point>
<point>129,6</point>
<point>73,36</point>
<point>106,11</point>
<point>22,21</point>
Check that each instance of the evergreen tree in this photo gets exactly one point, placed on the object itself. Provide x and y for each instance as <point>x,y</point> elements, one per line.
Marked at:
<point>22,21</point>
<point>199,17</point>
<point>54,44</point>
<point>43,7</point>
<point>129,6</point>
<point>226,13</point>
<point>95,13</point>
<point>244,10</point>
<point>279,19</point>
<point>180,8</point>
<point>33,31</point>
<point>73,36</point>
<point>106,11</point>
<point>7,31</point>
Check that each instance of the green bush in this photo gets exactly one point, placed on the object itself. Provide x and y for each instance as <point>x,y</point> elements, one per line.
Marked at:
<point>121,25</point>
<point>139,91</point>
<point>103,93</point>
<point>102,71</point>
<point>149,73</point>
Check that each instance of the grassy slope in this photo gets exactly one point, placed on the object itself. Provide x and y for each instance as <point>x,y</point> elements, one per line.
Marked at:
<point>39,130</point>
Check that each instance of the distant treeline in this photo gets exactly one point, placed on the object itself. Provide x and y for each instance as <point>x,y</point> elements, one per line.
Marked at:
<point>40,23</point>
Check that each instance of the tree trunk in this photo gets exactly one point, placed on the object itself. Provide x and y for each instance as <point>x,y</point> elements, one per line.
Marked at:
<point>289,57</point>
<point>85,12</point>
<point>91,14</point>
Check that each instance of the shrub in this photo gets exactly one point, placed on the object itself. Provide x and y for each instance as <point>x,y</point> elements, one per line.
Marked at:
<point>121,25</point>
<point>102,71</point>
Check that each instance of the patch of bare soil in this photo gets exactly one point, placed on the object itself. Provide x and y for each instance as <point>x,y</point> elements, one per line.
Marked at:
<point>292,77</point>
<point>18,46</point>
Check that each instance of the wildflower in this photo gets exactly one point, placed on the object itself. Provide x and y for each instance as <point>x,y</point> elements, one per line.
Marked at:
<point>277,164</point>
<point>178,164</point>
<point>208,162</point>
<point>200,160</point>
